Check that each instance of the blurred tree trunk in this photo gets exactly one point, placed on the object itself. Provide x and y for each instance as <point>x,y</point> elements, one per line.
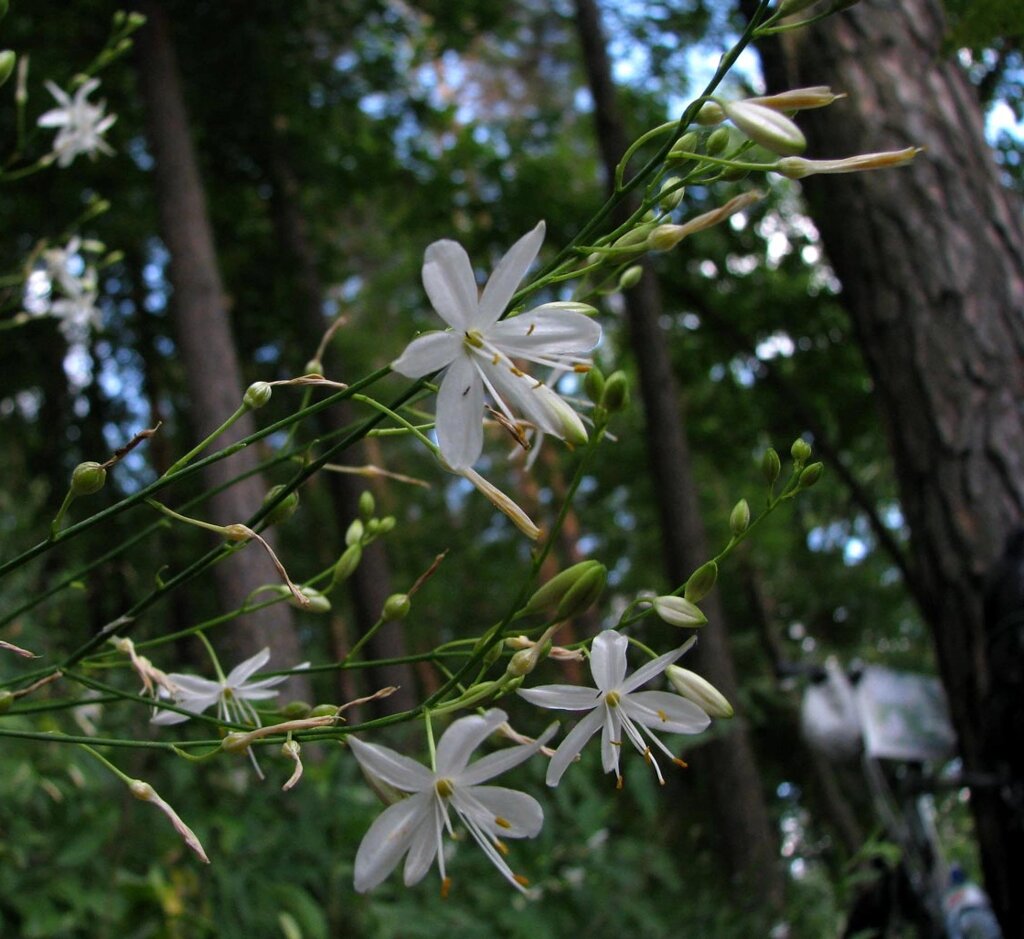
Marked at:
<point>370,585</point>
<point>205,340</point>
<point>741,821</point>
<point>931,258</point>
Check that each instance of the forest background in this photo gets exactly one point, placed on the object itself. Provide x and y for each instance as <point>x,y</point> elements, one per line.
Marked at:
<point>333,143</point>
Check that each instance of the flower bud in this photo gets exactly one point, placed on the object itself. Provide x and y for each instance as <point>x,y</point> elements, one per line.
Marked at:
<point>634,238</point>
<point>6,700</point>
<point>771,466</point>
<point>7,62</point>
<point>718,141</point>
<point>800,451</point>
<point>324,710</point>
<point>386,524</point>
<point>701,581</point>
<point>355,533</point>
<point>87,478</point>
<point>314,367</point>
<point>294,710</point>
<point>770,129</point>
<point>367,505</point>
<point>584,593</point>
<point>523,662</point>
<point>237,532</point>
<point>797,167</point>
<point>671,195</point>
<point>798,99</point>
<point>710,113</point>
<point>257,394</point>
<point>677,611</point>
<point>739,518</point>
<point>700,691</point>
<point>593,383</point>
<point>665,237</point>
<point>347,563</point>
<point>284,509</point>
<point>235,742</point>
<point>810,475</point>
<point>684,146</point>
<point>630,277</point>
<point>396,607</point>
<point>136,20</point>
<point>616,392</point>
<point>554,591</point>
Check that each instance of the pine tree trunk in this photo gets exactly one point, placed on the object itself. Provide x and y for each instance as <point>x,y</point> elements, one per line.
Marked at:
<point>205,340</point>
<point>931,258</point>
<point>741,820</point>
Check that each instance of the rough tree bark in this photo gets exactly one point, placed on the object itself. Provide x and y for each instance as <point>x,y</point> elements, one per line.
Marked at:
<point>931,259</point>
<point>205,338</point>
<point>741,821</point>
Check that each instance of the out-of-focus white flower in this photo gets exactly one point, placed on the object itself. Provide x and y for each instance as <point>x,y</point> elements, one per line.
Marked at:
<point>412,827</point>
<point>81,124</point>
<point>477,352</point>
<point>617,708</point>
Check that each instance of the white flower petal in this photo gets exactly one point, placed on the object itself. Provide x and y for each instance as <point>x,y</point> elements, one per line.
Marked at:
<point>494,764</point>
<point>165,718</point>
<point>505,812</point>
<point>460,405</point>
<point>510,271</point>
<point>250,666</point>
<point>611,740</point>
<point>459,741</point>
<point>426,842</point>
<point>391,767</point>
<point>662,710</point>
<point>541,406</point>
<point>449,282</point>
<point>562,697</point>
<point>428,353</point>
<point>570,747</point>
<point>389,837</point>
<point>655,667</point>
<point>608,659</point>
<point>194,685</point>
<point>545,331</point>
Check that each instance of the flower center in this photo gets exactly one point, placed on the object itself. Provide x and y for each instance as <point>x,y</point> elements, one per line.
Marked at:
<point>444,788</point>
<point>473,338</point>
<point>612,699</point>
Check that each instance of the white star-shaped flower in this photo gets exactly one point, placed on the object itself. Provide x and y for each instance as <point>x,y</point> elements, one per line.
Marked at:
<point>617,708</point>
<point>232,694</point>
<point>477,352</point>
<point>413,826</point>
<point>81,124</point>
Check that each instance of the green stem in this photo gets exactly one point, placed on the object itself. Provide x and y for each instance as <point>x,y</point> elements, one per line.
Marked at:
<point>200,447</point>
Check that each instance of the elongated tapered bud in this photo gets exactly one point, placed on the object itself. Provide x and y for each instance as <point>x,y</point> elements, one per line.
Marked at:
<point>367,505</point>
<point>684,146</point>
<point>810,475</point>
<point>593,384</point>
<point>630,277</point>
<point>7,63</point>
<point>700,691</point>
<point>718,140</point>
<point>771,466</point>
<point>701,581</point>
<point>284,509</point>
<point>678,611</point>
<point>770,129</point>
<point>355,532</point>
<point>551,594</point>
<point>396,607</point>
<point>347,563</point>
<point>616,392</point>
<point>583,594</point>
<point>6,700</point>
<point>739,518</point>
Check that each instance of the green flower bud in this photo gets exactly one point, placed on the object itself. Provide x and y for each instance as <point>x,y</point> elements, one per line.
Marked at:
<point>710,113</point>
<point>7,63</point>
<point>665,237</point>
<point>630,277</point>
<point>314,367</point>
<point>366,505</point>
<point>554,591</point>
<point>318,603</point>
<point>616,392</point>
<point>770,129</point>
<point>257,394</point>
<point>294,710</point>
<point>678,611</point>
<point>583,594</point>
<point>284,509</point>
<point>386,524</point>
<point>355,533</point>
<point>523,662</point>
<point>800,451</point>
<point>771,466</point>
<point>396,607</point>
<point>6,700</point>
<point>234,742</point>
<point>688,143</point>
<point>810,475</point>
<point>701,581</point>
<point>739,518</point>
<point>324,710</point>
<point>672,193</point>
<point>347,563</point>
<point>634,238</point>
<point>593,384</point>
<point>136,20</point>
<point>718,141</point>
<point>699,690</point>
<point>87,478</point>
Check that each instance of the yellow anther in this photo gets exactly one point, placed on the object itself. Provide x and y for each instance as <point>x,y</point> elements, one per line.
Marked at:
<point>662,715</point>
<point>444,788</point>
<point>502,822</point>
<point>446,885</point>
<point>496,359</point>
<point>612,699</point>
<point>518,372</point>
<point>473,338</point>
<point>647,756</point>
<point>680,762</point>
<point>501,846</point>
<point>618,782</point>
<point>521,880</point>
<point>582,369</point>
